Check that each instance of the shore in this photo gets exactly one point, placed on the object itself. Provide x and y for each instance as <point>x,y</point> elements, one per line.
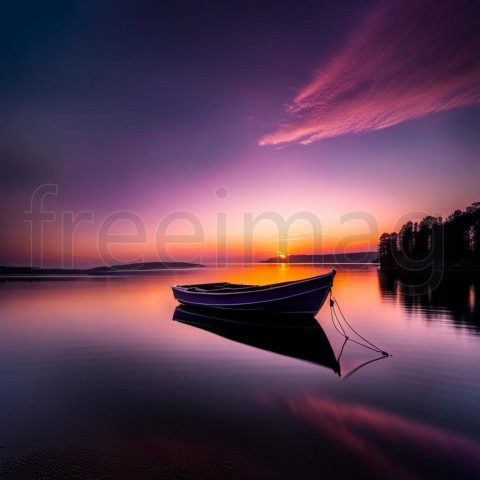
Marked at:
<point>127,269</point>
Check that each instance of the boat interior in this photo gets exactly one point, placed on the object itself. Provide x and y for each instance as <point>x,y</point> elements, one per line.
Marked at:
<point>220,287</point>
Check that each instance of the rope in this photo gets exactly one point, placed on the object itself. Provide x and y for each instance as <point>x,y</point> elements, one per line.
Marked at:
<point>363,365</point>
<point>333,314</point>
<point>341,351</point>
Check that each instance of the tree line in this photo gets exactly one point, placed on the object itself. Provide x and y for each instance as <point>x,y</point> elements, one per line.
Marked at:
<point>434,242</point>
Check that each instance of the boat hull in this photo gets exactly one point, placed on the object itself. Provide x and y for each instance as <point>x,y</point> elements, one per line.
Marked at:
<point>304,296</point>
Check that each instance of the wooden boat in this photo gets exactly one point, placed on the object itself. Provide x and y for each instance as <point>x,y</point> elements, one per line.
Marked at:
<point>301,296</point>
<point>299,337</point>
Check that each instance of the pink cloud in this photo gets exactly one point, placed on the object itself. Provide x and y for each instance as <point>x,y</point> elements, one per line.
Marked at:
<point>410,58</point>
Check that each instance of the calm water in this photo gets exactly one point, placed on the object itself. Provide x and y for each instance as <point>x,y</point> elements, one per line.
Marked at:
<point>98,381</point>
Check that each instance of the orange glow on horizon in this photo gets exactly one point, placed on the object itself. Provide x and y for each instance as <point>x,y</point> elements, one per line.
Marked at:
<point>217,231</point>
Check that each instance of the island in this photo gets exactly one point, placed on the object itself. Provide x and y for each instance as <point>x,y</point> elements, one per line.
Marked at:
<point>131,268</point>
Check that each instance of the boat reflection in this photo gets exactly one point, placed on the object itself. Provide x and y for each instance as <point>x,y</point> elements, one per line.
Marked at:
<point>294,336</point>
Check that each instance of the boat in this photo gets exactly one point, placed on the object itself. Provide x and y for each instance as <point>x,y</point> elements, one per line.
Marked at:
<point>296,336</point>
<point>300,297</point>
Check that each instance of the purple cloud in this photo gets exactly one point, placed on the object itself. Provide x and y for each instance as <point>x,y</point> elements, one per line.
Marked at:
<point>410,58</point>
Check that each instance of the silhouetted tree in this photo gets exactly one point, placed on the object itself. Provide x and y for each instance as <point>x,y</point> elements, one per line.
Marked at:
<point>407,243</point>
<point>425,236</point>
<point>387,249</point>
<point>457,239</point>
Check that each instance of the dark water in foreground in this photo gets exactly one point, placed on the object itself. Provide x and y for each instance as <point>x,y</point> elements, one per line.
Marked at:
<point>98,382</point>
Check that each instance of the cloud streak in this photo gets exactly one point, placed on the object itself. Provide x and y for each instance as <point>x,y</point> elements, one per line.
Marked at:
<point>410,58</point>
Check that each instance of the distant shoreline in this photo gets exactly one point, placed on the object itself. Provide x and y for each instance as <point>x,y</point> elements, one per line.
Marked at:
<point>357,257</point>
<point>127,269</point>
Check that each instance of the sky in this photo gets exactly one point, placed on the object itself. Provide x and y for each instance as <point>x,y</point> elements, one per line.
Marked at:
<point>231,131</point>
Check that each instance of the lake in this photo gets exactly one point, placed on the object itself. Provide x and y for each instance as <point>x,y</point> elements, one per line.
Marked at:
<point>98,381</point>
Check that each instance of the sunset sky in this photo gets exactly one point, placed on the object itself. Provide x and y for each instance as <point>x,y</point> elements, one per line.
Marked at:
<point>143,130</point>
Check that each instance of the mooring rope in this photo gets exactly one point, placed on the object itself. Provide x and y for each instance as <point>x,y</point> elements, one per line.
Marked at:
<point>341,350</point>
<point>333,315</point>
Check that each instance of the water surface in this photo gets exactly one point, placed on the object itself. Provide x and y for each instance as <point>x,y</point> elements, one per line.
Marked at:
<point>98,381</point>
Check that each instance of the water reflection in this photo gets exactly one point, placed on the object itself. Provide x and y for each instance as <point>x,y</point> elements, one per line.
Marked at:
<point>383,440</point>
<point>457,295</point>
<point>97,381</point>
<point>291,335</point>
